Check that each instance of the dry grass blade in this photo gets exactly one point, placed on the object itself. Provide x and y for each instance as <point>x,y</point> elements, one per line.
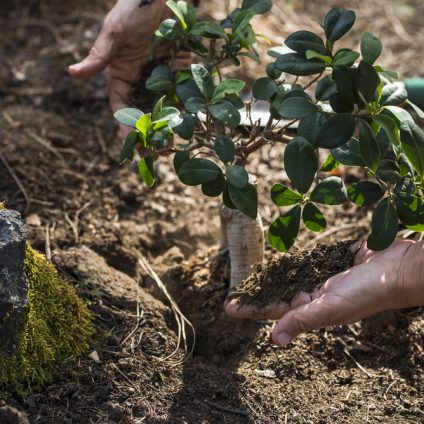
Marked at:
<point>180,318</point>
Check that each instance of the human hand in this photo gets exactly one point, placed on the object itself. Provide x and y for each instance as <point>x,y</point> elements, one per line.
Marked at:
<point>123,47</point>
<point>389,279</point>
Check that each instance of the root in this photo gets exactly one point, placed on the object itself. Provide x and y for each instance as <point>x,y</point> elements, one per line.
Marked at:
<point>244,239</point>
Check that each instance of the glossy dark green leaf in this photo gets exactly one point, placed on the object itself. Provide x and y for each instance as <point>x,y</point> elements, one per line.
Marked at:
<point>195,104</point>
<point>310,125</point>
<point>393,94</point>
<point>208,29</point>
<point>368,146</point>
<point>366,80</point>
<point>235,100</point>
<point>348,154</point>
<point>186,90</point>
<point>345,82</point>
<point>145,170</point>
<point>338,22</point>
<point>338,104</point>
<point>226,113</point>
<point>214,188</point>
<point>264,88</point>
<point>245,199</point>
<point>258,6</point>
<point>410,209</point>
<point>272,71</point>
<point>178,13</point>
<point>226,198</point>
<point>198,171</point>
<point>388,125</point>
<point>313,218</point>
<point>180,158</point>
<point>365,193</point>
<point>127,151</point>
<point>371,47</point>
<point>128,116</point>
<point>283,231</point>
<point>166,114</point>
<point>283,196</point>
<point>412,139</point>
<point>345,57</point>
<point>388,171</point>
<point>325,88</point>
<point>302,41</point>
<point>336,131</point>
<point>225,148</point>
<point>330,191</point>
<point>237,176</point>
<point>185,128</point>
<point>170,29</point>
<point>230,86</point>
<point>203,80</point>
<point>330,164</point>
<point>188,12</point>
<point>297,64</point>
<point>384,226</point>
<point>296,108</point>
<point>300,163</point>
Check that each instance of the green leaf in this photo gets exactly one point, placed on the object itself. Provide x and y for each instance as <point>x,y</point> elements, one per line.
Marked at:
<point>272,71</point>
<point>188,11</point>
<point>388,171</point>
<point>226,113</point>
<point>388,125</point>
<point>186,90</point>
<point>214,188</point>
<point>393,94</point>
<point>412,139</point>
<point>225,148</point>
<point>230,86</point>
<point>258,6</point>
<point>166,114</point>
<point>345,57</point>
<point>264,88</point>
<point>384,226</point>
<point>399,113</point>
<point>180,158</point>
<point>300,163</point>
<point>174,7</point>
<point>348,154</point>
<point>302,41</point>
<point>365,193</point>
<point>313,218</point>
<point>338,104</point>
<point>371,47</point>
<point>237,176</point>
<point>325,88</point>
<point>330,164</point>
<point>145,170</point>
<point>143,125</point>
<point>245,199</point>
<point>127,151</point>
<point>338,22</point>
<point>330,191</point>
<point>170,29</point>
<point>310,54</point>
<point>310,125</point>
<point>226,198</point>
<point>283,231</point>
<point>296,107</point>
<point>345,81</point>
<point>203,80</point>
<point>185,128</point>
<point>128,116</point>
<point>410,210</point>
<point>366,80</point>
<point>283,196</point>
<point>297,64</point>
<point>370,151</point>
<point>159,83</point>
<point>336,131</point>
<point>195,104</point>
<point>417,110</point>
<point>208,29</point>
<point>198,171</point>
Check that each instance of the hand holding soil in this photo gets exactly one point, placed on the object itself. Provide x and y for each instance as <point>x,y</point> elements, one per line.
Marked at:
<point>378,281</point>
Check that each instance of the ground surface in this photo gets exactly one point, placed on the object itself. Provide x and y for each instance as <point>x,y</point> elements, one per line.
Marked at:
<point>58,167</point>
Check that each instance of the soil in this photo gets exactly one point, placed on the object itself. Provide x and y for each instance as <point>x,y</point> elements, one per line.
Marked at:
<point>58,167</point>
<point>279,280</point>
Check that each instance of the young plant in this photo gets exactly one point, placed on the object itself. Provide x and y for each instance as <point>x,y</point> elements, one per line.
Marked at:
<point>349,106</point>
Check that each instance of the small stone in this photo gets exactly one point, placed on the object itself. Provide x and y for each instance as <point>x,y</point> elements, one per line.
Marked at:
<point>265,373</point>
<point>94,356</point>
<point>33,219</point>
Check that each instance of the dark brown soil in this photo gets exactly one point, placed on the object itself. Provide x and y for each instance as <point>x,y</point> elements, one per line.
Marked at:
<point>279,280</point>
<point>58,138</point>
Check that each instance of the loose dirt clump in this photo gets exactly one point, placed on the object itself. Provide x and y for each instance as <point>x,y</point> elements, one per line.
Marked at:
<point>301,270</point>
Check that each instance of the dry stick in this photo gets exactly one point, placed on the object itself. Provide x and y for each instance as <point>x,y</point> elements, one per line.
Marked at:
<point>179,316</point>
<point>17,181</point>
<point>46,144</point>
<point>364,370</point>
<point>139,321</point>
<point>126,378</point>
<point>226,408</point>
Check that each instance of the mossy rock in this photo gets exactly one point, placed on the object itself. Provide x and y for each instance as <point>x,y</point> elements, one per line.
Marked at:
<point>58,326</point>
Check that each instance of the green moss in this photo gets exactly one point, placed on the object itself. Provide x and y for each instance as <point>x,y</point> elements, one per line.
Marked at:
<point>58,326</point>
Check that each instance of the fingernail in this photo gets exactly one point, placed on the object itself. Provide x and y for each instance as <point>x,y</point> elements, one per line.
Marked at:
<point>284,339</point>
<point>74,67</point>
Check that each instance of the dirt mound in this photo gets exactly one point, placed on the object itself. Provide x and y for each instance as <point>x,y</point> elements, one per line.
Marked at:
<point>299,270</point>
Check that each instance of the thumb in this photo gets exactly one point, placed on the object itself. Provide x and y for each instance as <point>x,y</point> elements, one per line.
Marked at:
<point>100,55</point>
<point>311,316</point>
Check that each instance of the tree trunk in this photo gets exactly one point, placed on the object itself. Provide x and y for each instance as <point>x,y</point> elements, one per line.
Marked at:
<point>244,239</point>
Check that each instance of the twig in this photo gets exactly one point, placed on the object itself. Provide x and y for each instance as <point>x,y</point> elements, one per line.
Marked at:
<point>17,181</point>
<point>100,139</point>
<point>241,412</point>
<point>356,362</point>
<point>46,144</point>
<point>126,378</point>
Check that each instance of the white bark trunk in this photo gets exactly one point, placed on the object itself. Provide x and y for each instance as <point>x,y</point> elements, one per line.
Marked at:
<point>244,238</point>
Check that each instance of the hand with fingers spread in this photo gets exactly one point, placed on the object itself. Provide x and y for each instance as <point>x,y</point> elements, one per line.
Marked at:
<point>124,46</point>
<point>390,279</point>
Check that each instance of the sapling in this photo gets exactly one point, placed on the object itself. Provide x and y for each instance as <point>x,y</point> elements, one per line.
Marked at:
<point>349,106</point>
